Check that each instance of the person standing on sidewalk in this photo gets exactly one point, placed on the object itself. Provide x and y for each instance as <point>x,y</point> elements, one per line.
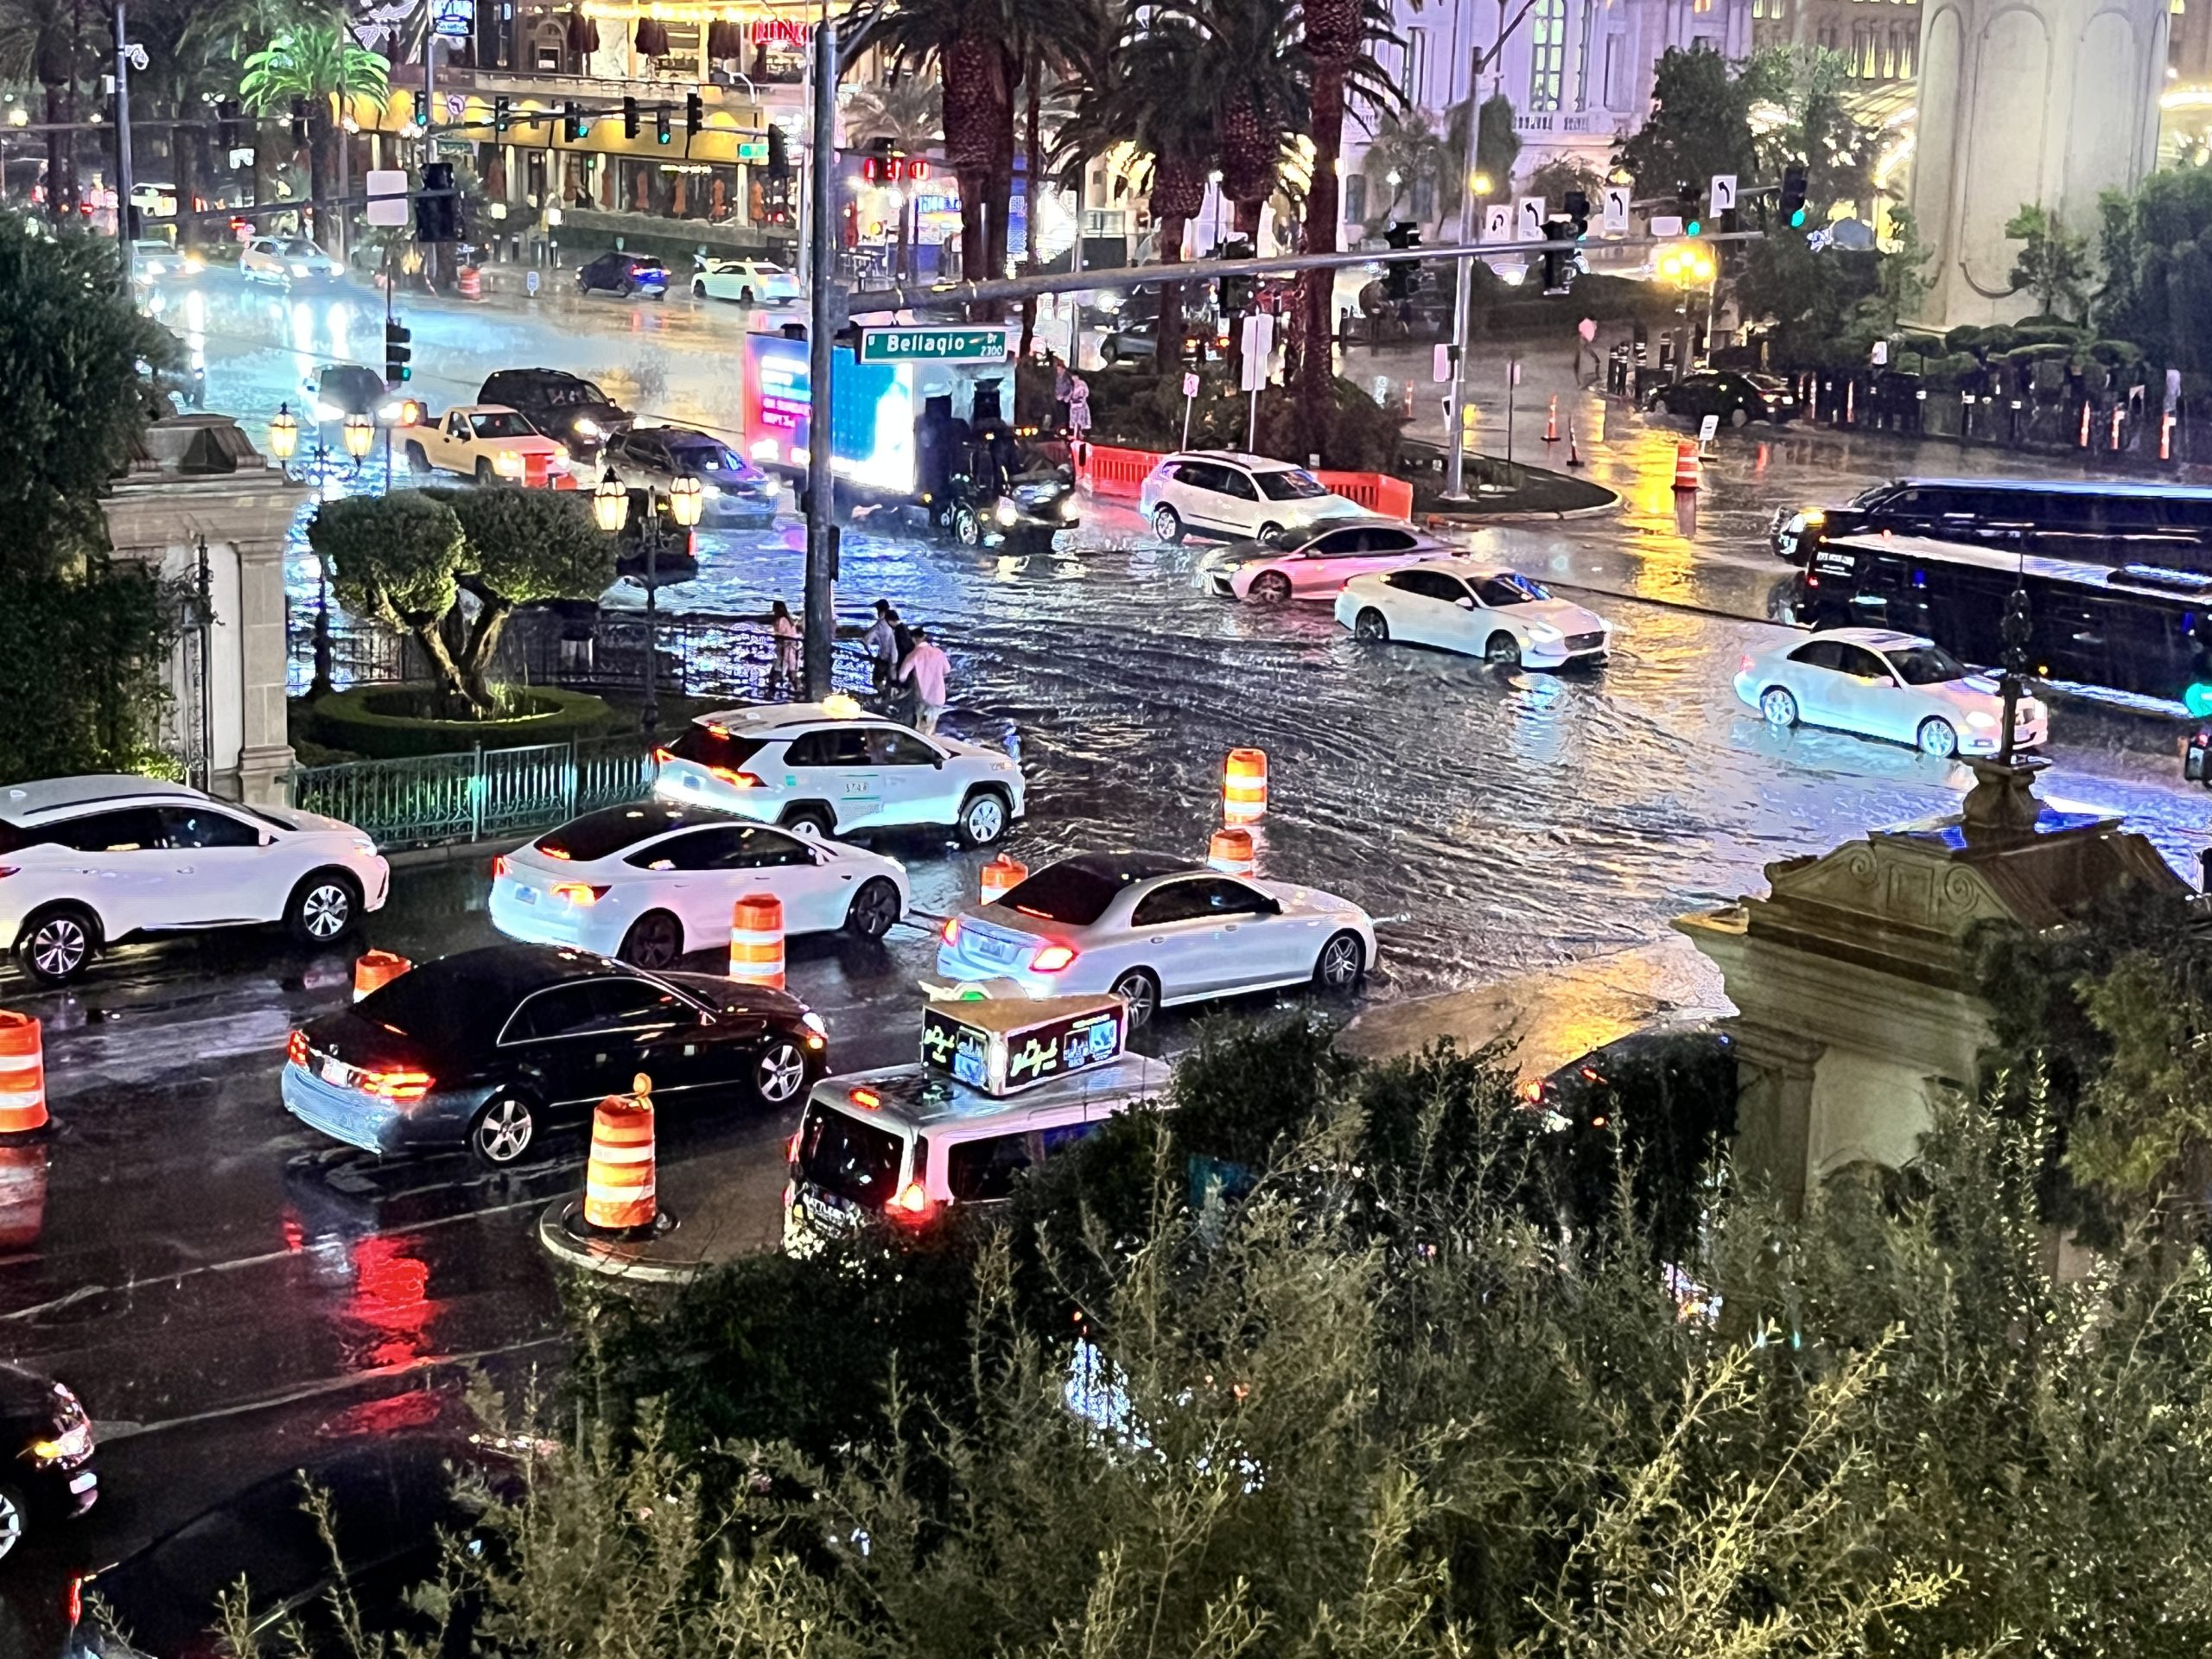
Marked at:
<point>784,627</point>
<point>927,669</point>
<point>882,642</point>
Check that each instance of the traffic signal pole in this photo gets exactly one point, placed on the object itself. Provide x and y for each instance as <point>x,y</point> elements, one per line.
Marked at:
<point>821,624</point>
<point>124,183</point>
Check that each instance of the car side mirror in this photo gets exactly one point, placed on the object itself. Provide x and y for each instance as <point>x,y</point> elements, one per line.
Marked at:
<point>1465,603</point>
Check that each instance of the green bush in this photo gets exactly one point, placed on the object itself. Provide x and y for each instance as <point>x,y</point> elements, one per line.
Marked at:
<point>81,661</point>
<point>1949,373</point>
<point>2116,354</point>
<point>1967,336</point>
<point>391,722</point>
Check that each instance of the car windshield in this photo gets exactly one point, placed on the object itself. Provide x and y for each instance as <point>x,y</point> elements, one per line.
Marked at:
<point>1295,483</point>
<point>563,394</point>
<point>296,250</point>
<point>700,456</point>
<point>710,747</point>
<point>598,835</point>
<point>1925,665</point>
<point>505,424</point>
<point>1511,588</point>
<point>1066,894</point>
<point>842,1155</point>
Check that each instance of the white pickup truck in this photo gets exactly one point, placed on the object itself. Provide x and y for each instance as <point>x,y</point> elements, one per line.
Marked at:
<point>490,443</point>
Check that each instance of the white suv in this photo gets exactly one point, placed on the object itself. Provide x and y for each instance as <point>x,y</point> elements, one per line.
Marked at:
<point>1231,497</point>
<point>85,861</point>
<point>827,767</point>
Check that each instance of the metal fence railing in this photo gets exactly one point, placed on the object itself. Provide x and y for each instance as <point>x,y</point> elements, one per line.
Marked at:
<point>450,799</point>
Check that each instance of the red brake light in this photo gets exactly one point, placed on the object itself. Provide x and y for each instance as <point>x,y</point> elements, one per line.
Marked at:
<point>1052,958</point>
<point>791,1147</point>
<point>912,1203</point>
<point>735,779</point>
<point>73,1600</point>
<point>952,930</point>
<point>865,1099</point>
<point>401,1084</point>
<point>499,861</point>
<point>295,1048</point>
<point>1744,664</point>
<point>578,893</point>
<point>663,756</point>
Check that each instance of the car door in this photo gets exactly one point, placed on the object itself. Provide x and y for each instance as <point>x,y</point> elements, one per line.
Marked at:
<point>1379,549</point>
<point>817,890</point>
<point>638,1026</point>
<point>833,765</point>
<point>1169,927</point>
<point>1186,488</point>
<point>1421,607</point>
<point>1238,502</point>
<point>1325,563</point>
<point>1881,707</point>
<point>1813,675</point>
<point>115,860</point>
<point>459,445</point>
<point>223,871</point>
<point>1252,945</point>
<point>576,1044</point>
<point>913,778</point>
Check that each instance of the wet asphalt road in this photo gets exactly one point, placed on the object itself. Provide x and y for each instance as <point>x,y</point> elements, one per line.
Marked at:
<point>230,1293</point>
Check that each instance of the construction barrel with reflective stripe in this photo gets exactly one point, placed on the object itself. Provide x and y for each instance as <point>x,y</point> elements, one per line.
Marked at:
<point>22,1074</point>
<point>375,969</point>
<point>1689,473</point>
<point>1002,875</point>
<point>619,1192</point>
<point>1244,786</point>
<point>756,940</point>
<point>22,1194</point>
<point>1232,852</point>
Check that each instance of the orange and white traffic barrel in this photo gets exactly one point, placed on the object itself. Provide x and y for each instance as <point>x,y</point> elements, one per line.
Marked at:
<point>756,940</point>
<point>472,283</point>
<point>1688,474</point>
<point>22,1074</point>
<point>1002,877</point>
<point>374,969</point>
<point>619,1190</point>
<point>1244,786</point>
<point>1232,852</point>
<point>22,1194</point>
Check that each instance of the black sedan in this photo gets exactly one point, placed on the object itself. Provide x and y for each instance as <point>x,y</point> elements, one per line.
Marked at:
<point>624,274</point>
<point>486,1048</point>
<point>1738,399</point>
<point>48,1475</point>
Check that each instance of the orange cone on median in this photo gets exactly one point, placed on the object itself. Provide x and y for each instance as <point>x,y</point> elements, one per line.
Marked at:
<point>1244,786</point>
<point>756,940</point>
<point>619,1191</point>
<point>22,1074</point>
<point>1687,473</point>
<point>374,969</point>
<point>1001,876</point>
<point>1232,852</point>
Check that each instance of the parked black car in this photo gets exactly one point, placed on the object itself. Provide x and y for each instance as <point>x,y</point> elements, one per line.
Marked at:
<point>624,274</point>
<point>1738,399</point>
<point>47,1437</point>
<point>560,404</point>
<point>487,1048</point>
<point>736,492</point>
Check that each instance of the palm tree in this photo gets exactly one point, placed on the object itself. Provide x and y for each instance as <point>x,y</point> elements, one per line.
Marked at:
<point>1262,94</point>
<point>1408,146</point>
<point>909,110</point>
<point>1163,101</point>
<point>317,61</point>
<point>213,40</point>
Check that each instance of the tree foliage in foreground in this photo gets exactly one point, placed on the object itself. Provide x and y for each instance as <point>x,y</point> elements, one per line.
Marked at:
<point>1380,1385</point>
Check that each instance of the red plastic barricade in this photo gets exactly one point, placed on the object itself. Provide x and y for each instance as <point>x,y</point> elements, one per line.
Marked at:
<point>1390,498</point>
<point>1119,474</point>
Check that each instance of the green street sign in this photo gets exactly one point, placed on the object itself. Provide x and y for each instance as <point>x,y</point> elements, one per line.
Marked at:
<point>753,149</point>
<point>935,345</point>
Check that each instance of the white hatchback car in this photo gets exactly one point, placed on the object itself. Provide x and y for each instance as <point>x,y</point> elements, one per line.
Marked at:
<point>1157,931</point>
<point>1880,683</point>
<point>649,882</point>
<point>829,767</point>
<point>1231,497</point>
<point>1478,610</point>
<point>86,861</point>
<point>285,260</point>
<point>745,280</point>
<point>1316,563</point>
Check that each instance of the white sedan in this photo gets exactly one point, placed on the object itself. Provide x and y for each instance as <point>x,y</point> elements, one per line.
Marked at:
<point>651,882</point>
<point>747,281</point>
<point>492,444</point>
<point>285,260</point>
<point>1478,610</point>
<point>1880,683</point>
<point>1313,563</point>
<point>1156,930</point>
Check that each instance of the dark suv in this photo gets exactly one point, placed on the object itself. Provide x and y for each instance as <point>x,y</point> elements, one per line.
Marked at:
<point>1736,399</point>
<point>560,404</point>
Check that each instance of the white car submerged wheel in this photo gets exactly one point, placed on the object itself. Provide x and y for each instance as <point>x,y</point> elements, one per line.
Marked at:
<point>1371,626</point>
<point>1939,738</point>
<point>14,1518</point>
<point>655,940</point>
<point>323,909</point>
<point>1167,522</point>
<point>874,909</point>
<point>1502,650</point>
<point>1271,588</point>
<point>967,527</point>
<point>1777,707</point>
<point>983,819</point>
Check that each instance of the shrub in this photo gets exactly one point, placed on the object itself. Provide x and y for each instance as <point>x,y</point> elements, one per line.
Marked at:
<point>395,722</point>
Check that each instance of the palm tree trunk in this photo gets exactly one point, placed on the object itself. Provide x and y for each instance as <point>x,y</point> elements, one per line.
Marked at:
<point>974,229</point>
<point>1033,162</point>
<point>1167,343</point>
<point>59,188</point>
<point>188,151</point>
<point>1317,357</point>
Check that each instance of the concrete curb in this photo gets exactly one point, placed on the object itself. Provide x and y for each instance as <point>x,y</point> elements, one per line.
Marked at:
<point>1531,516</point>
<point>655,1261</point>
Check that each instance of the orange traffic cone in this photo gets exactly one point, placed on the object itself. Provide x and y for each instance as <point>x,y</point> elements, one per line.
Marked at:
<point>1232,852</point>
<point>1244,786</point>
<point>1002,877</point>
<point>374,969</point>
<point>1573,454</point>
<point>756,940</point>
<point>22,1074</point>
<point>1551,421</point>
<point>619,1195</point>
<point>1688,474</point>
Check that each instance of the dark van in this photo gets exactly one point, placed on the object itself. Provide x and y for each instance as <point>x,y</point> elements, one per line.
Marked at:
<point>2093,522</point>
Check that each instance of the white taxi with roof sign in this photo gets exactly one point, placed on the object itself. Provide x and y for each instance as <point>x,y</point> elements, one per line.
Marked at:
<point>831,768</point>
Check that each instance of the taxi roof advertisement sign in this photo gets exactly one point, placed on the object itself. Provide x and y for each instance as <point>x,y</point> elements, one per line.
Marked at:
<point>1002,1045</point>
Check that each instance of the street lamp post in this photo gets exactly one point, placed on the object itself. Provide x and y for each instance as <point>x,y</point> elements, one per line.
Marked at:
<point>610,507</point>
<point>360,432</point>
<point>1463,296</point>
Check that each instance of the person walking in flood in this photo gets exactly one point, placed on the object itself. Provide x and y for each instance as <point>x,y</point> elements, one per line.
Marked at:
<point>882,643</point>
<point>784,627</point>
<point>927,669</point>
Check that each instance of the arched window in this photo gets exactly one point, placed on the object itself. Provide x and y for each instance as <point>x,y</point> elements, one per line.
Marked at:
<point>1547,54</point>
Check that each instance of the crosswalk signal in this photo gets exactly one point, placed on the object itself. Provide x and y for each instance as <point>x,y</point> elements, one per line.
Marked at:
<point>227,130</point>
<point>1793,197</point>
<point>661,134</point>
<point>695,114</point>
<point>437,210</point>
<point>1692,221</point>
<point>396,354</point>
<point>629,117</point>
<point>780,153</point>
<point>1238,293</point>
<point>1403,276</point>
<point>1577,204</point>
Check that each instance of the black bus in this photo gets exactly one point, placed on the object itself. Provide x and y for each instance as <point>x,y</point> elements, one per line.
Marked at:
<point>2142,628</point>
<point>2096,523</point>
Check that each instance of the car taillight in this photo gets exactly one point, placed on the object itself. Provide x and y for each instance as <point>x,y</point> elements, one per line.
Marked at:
<point>735,779</point>
<point>662,757</point>
<point>912,1203</point>
<point>952,930</point>
<point>499,861</point>
<point>1052,958</point>
<point>401,1084</point>
<point>578,893</point>
<point>295,1048</point>
<point>791,1147</point>
<point>1744,664</point>
<point>73,1600</point>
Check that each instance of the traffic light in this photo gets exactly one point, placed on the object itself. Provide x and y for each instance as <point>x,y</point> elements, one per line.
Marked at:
<point>501,114</point>
<point>1692,221</point>
<point>227,132</point>
<point>396,355</point>
<point>780,153</point>
<point>661,135</point>
<point>629,117</point>
<point>1238,293</point>
<point>695,114</point>
<point>572,126</point>
<point>437,210</point>
<point>421,109</point>
<point>1793,197</point>
<point>1403,276</point>
<point>879,165</point>
<point>1577,203</point>
<point>1559,262</point>
<point>299,121</point>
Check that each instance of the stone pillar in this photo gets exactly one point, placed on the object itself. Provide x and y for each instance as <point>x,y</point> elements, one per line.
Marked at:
<point>2047,102</point>
<point>266,747</point>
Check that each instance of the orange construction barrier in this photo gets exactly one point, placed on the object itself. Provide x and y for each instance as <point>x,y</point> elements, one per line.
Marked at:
<point>1232,852</point>
<point>22,1074</point>
<point>22,1194</point>
<point>618,1179</point>
<point>375,969</point>
<point>756,940</point>
<point>472,283</point>
<point>1001,876</point>
<point>1687,473</point>
<point>1244,786</point>
<point>1551,421</point>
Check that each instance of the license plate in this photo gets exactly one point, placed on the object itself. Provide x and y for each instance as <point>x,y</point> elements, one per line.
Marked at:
<point>996,950</point>
<point>337,1071</point>
<point>689,781</point>
<point>525,895</point>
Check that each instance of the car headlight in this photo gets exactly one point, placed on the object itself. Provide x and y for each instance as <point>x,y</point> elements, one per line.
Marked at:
<point>507,465</point>
<point>1005,512</point>
<point>328,411</point>
<point>1981,719</point>
<point>812,1021</point>
<point>712,491</point>
<point>298,270</point>
<point>388,412</point>
<point>1069,508</point>
<point>1544,631</point>
<point>65,1444</point>
<point>193,262</point>
<point>586,427</point>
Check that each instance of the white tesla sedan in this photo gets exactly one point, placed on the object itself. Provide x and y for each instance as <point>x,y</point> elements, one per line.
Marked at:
<point>1479,610</point>
<point>1879,684</point>
<point>748,282</point>
<point>1157,931</point>
<point>1313,563</point>
<point>651,881</point>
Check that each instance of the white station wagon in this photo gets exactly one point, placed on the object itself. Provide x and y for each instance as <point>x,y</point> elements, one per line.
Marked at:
<point>1229,497</point>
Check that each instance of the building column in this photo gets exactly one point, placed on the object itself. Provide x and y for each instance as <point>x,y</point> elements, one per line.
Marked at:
<point>264,747</point>
<point>1774,1109</point>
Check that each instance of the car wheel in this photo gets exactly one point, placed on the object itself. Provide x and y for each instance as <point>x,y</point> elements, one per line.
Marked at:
<point>502,1131</point>
<point>1342,961</point>
<point>418,458</point>
<point>1939,738</point>
<point>815,820</point>
<point>655,940</point>
<point>1659,407</point>
<point>1109,353</point>
<point>1502,650</point>
<point>324,908</point>
<point>984,819</point>
<point>55,944</point>
<point>484,474</point>
<point>1271,534</point>
<point>698,290</point>
<point>1271,588</point>
<point>1777,707</point>
<point>967,528</point>
<point>874,908</point>
<point>1371,626</point>
<point>1167,522</point>
<point>15,1520</point>
<point>1740,416</point>
<point>1140,991</point>
<point>779,1073</point>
